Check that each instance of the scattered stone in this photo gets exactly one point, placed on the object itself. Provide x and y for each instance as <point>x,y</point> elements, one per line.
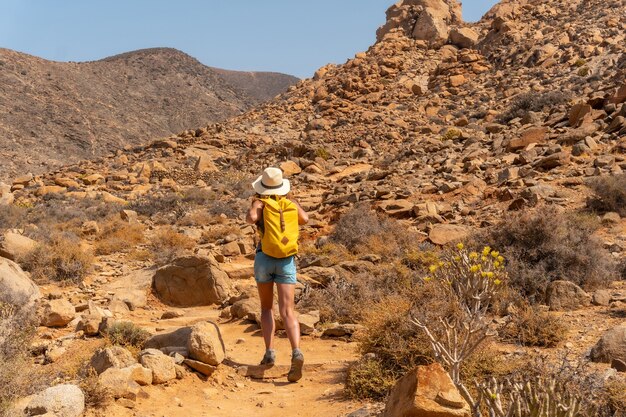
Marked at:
<point>206,343</point>
<point>308,321</point>
<point>162,366</point>
<point>443,234</point>
<point>14,246</point>
<point>112,357</point>
<point>58,313</point>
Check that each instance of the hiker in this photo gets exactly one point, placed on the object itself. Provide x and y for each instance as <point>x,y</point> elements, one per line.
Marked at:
<point>277,217</point>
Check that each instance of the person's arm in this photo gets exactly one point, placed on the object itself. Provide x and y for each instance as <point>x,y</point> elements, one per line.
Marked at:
<point>303,217</point>
<point>255,213</point>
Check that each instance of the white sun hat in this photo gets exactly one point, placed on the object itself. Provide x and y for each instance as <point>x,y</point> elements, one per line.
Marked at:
<point>271,183</point>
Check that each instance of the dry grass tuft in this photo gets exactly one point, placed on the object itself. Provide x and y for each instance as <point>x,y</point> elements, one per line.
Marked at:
<point>530,326</point>
<point>367,379</point>
<point>97,397</point>
<point>118,236</point>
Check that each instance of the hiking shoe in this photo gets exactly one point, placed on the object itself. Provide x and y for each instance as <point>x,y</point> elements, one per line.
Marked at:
<point>269,358</point>
<point>297,362</point>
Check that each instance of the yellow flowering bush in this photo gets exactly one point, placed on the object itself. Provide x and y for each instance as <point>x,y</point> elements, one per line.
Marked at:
<point>474,279</point>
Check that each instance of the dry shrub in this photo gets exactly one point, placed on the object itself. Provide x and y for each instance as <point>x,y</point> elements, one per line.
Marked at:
<point>547,245</point>
<point>555,387</point>
<point>333,252</point>
<point>367,379</point>
<point>530,326</point>
<point>361,230</point>
<point>615,398</point>
<point>345,299</point>
<point>168,244</point>
<point>219,231</point>
<point>11,216</point>
<point>126,333</point>
<point>60,258</point>
<point>398,344</point>
<point>609,193</point>
<point>531,101</point>
<point>118,236</point>
<point>97,397</point>
<point>17,328</point>
<point>162,206</point>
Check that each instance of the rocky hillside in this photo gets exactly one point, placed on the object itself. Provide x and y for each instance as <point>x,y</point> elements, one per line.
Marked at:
<point>52,113</point>
<point>475,118</point>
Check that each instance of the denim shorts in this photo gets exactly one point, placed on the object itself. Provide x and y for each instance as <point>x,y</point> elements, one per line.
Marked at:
<point>278,270</point>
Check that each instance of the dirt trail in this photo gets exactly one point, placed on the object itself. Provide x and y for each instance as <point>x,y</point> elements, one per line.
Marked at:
<point>228,392</point>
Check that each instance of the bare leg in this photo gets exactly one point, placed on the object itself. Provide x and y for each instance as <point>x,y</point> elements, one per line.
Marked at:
<point>266,295</point>
<point>286,306</point>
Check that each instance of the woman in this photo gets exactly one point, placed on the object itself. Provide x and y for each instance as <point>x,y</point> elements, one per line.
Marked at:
<point>277,217</point>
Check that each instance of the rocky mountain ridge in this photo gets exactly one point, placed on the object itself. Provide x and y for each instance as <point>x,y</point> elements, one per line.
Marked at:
<point>53,113</point>
<point>481,126</point>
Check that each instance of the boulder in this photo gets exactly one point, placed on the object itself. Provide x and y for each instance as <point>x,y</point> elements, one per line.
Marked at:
<point>431,27</point>
<point>14,246</point>
<point>57,313</point>
<point>290,168</point>
<point>426,391</point>
<point>176,338</point>
<point>15,285</point>
<point>162,366</point>
<point>206,343</point>
<point>611,346</point>
<point>463,37</point>
<point>61,401</point>
<point>113,357</point>
<point>530,136</point>
<point>442,234</point>
<point>192,281</point>
<point>565,295</point>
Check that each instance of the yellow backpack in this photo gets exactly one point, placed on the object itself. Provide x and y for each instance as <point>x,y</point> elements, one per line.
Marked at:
<point>279,238</point>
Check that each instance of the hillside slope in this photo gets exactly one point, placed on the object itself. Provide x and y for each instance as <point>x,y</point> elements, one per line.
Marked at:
<point>53,113</point>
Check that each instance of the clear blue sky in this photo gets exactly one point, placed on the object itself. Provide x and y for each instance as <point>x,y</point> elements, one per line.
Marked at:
<point>290,36</point>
